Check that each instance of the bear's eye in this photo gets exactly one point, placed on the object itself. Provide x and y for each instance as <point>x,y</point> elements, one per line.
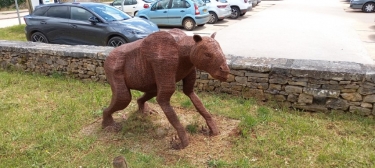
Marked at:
<point>207,54</point>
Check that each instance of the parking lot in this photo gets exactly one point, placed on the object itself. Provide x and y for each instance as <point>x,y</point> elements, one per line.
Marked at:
<point>295,29</point>
<point>298,29</point>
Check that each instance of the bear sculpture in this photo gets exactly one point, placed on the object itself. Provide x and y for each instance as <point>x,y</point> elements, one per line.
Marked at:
<point>153,65</point>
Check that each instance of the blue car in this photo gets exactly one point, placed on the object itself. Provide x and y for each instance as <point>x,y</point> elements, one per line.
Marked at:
<point>186,13</point>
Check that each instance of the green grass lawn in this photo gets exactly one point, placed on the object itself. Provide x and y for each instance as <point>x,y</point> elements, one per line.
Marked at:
<point>13,33</point>
<point>55,122</point>
<point>43,119</point>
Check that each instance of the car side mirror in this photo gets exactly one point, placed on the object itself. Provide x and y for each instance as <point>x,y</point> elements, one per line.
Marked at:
<point>93,20</point>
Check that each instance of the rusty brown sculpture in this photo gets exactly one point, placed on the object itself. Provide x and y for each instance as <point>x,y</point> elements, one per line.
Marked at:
<point>153,65</point>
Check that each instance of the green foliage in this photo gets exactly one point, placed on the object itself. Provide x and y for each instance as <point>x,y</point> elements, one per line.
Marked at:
<point>9,3</point>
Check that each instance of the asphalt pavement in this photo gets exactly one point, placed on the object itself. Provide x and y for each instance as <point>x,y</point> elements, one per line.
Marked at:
<point>296,29</point>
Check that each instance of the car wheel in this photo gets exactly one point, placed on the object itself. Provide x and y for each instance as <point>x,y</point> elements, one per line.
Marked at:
<point>116,41</point>
<point>235,12</point>
<point>368,7</point>
<point>243,14</point>
<point>189,24</point>
<point>213,18</point>
<point>135,13</point>
<point>39,37</point>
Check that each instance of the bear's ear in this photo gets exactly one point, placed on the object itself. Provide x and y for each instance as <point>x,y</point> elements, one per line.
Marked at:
<point>197,38</point>
<point>213,35</point>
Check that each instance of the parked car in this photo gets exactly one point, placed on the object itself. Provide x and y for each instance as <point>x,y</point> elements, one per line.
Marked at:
<point>218,10</point>
<point>131,7</point>
<point>239,8</point>
<point>254,3</point>
<point>186,13</point>
<point>365,5</point>
<point>85,23</point>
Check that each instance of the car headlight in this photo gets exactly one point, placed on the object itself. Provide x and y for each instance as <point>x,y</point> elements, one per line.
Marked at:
<point>137,33</point>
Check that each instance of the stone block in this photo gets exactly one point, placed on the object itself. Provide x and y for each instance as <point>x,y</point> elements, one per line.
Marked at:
<point>351,86</point>
<point>305,98</point>
<point>337,104</point>
<point>292,98</point>
<point>360,110</point>
<point>258,75</point>
<point>352,96</point>
<point>254,93</point>
<point>297,83</point>
<point>237,73</point>
<point>369,99</point>
<point>348,90</point>
<point>321,92</point>
<point>242,80</point>
<point>278,80</point>
<point>230,78</point>
<point>344,82</point>
<point>280,98</point>
<point>293,89</point>
<point>366,105</point>
<point>204,76</point>
<point>262,80</point>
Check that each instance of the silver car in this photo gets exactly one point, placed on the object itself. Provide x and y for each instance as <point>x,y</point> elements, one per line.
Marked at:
<point>365,5</point>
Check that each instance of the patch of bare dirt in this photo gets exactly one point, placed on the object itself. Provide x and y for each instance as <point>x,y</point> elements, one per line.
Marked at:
<point>202,148</point>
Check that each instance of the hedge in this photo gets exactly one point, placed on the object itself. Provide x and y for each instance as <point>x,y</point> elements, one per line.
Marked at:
<point>9,3</point>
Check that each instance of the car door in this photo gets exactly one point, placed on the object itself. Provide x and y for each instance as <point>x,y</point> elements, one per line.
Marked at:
<point>177,12</point>
<point>83,31</point>
<point>130,6</point>
<point>56,24</point>
<point>159,12</point>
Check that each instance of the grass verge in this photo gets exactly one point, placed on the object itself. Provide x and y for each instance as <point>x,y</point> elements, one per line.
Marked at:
<point>14,33</point>
<point>55,122</point>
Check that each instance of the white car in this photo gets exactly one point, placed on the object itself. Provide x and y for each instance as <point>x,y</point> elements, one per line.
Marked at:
<point>239,7</point>
<point>218,10</point>
<point>131,7</point>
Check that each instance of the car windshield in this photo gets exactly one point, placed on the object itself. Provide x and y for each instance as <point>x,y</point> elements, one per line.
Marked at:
<point>109,13</point>
<point>149,1</point>
<point>199,2</point>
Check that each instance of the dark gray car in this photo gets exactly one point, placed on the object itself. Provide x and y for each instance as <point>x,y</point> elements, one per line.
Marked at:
<point>365,5</point>
<point>85,23</point>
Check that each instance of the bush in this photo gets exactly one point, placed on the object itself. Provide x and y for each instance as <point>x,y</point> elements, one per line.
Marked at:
<point>8,3</point>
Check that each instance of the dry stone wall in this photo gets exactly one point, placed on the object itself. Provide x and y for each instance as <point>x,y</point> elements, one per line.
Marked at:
<point>310,85</point>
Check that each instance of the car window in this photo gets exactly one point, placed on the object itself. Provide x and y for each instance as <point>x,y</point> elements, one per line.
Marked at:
<point>199,2</point>
<point>117,2</point>
<point>178,4</point>
<point>77,13</point>
<point>40,11</point>
<point>109,13</point>
<point>58,11</point>
<point>163,4</point>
